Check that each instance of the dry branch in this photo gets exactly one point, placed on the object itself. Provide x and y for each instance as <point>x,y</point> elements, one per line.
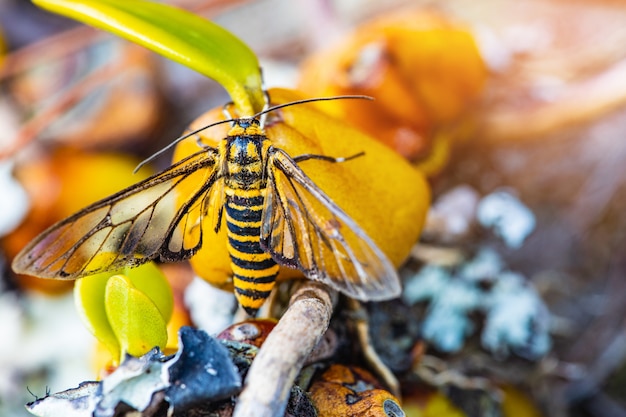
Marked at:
<point>281,357</point>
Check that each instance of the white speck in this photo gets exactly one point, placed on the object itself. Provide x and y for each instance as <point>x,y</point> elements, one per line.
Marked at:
<point>210,370</point>
<point>517,319</point>
<point>279,73</point>
<point>496,54</point>
<point>507,216</point>
<point>14,202</point>
<point>211,309</point>
<point>245,331</point>
<point>453,213</point>
<point>426,284</point>
<point>366,63</point>
<point>486,265</point>
<point>447,323</point>
<point>40,332</point>
<point>446,329</point>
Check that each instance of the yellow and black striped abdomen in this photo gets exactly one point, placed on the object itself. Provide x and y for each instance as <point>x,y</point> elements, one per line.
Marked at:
<point>254,270</point>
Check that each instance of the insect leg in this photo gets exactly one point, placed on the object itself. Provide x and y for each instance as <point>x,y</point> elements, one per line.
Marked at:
<point>226,111</point>
<point>326,158</point>
<point>207,206</point>
<point>263,118</point>
<point>200,143</point>
<point>218,222</point>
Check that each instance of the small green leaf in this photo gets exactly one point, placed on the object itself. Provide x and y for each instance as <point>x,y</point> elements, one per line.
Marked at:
<point>179,35</point>
<point>135,319</point>
<point>89,298</point>
<point>149,279</point>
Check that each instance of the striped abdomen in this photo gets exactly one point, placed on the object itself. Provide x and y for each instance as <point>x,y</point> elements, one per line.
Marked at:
<point>254,270</point>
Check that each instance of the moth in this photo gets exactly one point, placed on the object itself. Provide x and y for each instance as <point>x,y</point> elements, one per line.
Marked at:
<point>274,214</point>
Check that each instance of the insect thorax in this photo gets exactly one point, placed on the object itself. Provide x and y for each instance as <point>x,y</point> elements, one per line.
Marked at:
<point>245,157</point>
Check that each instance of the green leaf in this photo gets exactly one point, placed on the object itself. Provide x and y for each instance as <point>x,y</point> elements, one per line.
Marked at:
<point>92,305</point>
<point>135,319</point>
<point>149,279</point>
<point>89,298</point>
<point>179,35</point>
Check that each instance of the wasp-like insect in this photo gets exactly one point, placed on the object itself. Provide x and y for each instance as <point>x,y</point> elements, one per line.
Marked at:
<point>275,215</point>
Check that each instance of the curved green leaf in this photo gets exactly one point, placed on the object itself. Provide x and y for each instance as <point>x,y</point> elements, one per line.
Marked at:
<point>179,35</point>
<point>149,279</point>
<point>151,290</point>
<point>89,298</point>
<point>135,319</point>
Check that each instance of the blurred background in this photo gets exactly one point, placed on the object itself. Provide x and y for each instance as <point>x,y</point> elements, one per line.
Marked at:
<point>514,111</point>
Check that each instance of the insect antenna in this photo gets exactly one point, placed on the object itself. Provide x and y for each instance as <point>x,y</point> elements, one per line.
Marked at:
<point>307,100</point>
<point>175,141</point>
<point>259,114</point>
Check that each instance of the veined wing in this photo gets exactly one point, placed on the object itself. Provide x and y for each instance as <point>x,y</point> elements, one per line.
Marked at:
<point>303,228</point>
<point>138,224</point>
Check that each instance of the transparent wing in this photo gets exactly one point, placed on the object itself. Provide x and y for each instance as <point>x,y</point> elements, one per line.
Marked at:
<point>138,224</point>
<point>303,228</point>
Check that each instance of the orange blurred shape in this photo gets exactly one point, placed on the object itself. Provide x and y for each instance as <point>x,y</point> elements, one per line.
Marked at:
<point>380,190</point>
<point>87,92</point>
<point>423,69</point>
<point>345,391</point>
<point>102,361</point>
<point>3,47</point>
<point>59,185</point>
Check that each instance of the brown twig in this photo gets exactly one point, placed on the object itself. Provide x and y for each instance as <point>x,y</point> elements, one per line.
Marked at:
<point>281,357</point>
